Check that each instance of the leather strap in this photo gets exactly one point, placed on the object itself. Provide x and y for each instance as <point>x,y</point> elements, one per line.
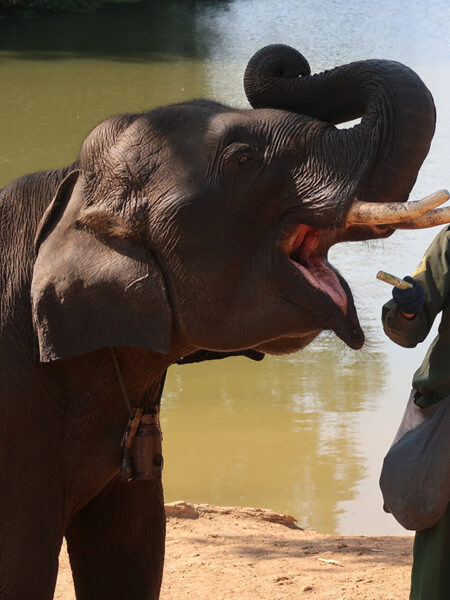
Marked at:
<point>122,385</point>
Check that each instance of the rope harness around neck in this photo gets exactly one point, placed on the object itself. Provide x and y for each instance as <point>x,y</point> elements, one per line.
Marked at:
<point>142,439</point>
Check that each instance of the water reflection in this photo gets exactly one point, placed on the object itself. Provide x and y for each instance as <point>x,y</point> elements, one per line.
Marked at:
<point>332,32</point>
<point>156,29</point>
<point>280,433</point>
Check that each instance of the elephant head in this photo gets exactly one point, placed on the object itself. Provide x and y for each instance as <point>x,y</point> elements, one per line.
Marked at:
<point>211,225</point>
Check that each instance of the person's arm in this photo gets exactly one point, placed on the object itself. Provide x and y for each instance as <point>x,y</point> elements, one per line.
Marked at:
<point>410,326</point>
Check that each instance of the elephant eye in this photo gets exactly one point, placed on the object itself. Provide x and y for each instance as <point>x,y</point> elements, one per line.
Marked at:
<point>239,153</point>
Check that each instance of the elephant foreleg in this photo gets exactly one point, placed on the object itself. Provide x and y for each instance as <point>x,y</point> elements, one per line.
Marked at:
<point>116,543</point>
<point>29,554</point>
<point>32,515</point>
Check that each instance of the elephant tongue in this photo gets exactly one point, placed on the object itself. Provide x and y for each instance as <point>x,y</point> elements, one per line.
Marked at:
<point>308,252</point>
<point>322,277</point>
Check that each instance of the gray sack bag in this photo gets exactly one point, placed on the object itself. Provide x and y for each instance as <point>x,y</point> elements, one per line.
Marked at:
<point>415,478</point>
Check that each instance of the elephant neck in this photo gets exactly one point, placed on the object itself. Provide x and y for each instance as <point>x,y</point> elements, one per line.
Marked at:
<point>150,399</point>
<point>139,374</point>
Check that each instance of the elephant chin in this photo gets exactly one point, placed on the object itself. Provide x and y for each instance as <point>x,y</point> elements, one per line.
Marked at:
<point>350,333</point>
<point>346,327</point>
<point>287,345</point>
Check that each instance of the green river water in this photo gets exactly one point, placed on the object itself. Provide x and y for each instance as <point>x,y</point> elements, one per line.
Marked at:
<point>304,434</point>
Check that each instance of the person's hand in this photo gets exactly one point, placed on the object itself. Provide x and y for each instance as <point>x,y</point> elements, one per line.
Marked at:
<point>411,300</point>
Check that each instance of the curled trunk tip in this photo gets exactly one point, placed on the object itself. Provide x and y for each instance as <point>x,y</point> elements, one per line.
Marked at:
<point>268,64</point>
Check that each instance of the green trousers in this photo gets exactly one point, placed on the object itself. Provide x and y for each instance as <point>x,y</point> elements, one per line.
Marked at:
<point>430,578</point>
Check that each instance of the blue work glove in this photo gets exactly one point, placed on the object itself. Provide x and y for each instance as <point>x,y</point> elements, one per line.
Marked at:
<point>411,300</point>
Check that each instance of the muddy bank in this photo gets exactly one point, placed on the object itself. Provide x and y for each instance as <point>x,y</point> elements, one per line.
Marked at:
<point>249,554</point>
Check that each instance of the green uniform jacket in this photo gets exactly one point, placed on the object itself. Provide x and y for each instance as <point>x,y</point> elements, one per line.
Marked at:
<point>432,378</point>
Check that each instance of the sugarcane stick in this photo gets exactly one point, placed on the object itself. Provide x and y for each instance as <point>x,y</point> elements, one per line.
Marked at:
<point>393,280</point>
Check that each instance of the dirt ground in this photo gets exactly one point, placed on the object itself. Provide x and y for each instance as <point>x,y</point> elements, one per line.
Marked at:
<point>253,554</point>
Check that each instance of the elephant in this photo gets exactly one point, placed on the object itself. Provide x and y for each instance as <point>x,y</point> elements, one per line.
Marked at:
<point>190,232</point>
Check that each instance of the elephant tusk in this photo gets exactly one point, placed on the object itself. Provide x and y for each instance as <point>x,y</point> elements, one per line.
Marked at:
<point>396,213</point>
<point>440,216</point>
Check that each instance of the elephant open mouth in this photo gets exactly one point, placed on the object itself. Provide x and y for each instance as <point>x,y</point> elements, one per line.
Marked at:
<point>306,248</point>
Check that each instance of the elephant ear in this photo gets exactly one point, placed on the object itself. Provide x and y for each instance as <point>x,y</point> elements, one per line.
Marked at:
<point>93,284</point>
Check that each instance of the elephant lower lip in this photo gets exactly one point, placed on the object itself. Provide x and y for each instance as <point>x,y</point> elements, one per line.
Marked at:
<point>306,248</point>
<point>355,339</point>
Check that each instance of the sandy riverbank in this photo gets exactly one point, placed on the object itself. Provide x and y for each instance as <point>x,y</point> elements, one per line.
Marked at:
<point>252,554</point>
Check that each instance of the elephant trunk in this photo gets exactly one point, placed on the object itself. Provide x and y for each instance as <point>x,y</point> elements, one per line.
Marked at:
<point>388,146</point>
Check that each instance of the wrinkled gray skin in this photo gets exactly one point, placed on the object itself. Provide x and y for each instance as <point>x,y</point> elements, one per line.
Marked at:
<point>174,234</point>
